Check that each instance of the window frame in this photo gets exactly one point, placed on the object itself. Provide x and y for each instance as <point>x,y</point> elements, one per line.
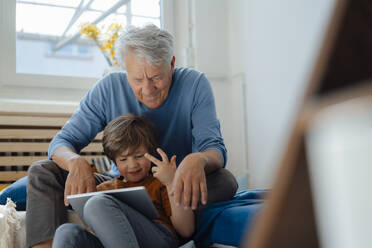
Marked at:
<point>8,75</point>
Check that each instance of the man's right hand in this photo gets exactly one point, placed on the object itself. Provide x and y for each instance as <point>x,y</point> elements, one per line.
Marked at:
<point>80,178</point>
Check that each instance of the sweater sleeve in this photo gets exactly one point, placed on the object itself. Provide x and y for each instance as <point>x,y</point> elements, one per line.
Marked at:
<point>85,123</point>
<point>206,133</point>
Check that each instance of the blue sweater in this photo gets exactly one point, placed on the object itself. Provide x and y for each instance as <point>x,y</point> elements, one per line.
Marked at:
<point>186,122</point>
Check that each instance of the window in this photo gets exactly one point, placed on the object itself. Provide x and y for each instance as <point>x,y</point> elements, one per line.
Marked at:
<point>41,45</point>
<point>58,21</point>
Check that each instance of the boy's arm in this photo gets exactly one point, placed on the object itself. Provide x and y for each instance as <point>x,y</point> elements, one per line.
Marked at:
<point>183,219</point>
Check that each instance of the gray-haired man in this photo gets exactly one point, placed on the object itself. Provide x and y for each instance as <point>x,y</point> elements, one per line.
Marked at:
<point>179,101</point>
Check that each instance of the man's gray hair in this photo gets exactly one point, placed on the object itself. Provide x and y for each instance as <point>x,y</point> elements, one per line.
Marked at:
<point>149,42</point>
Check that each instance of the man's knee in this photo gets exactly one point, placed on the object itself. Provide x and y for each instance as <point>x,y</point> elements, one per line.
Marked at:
<point>221,185</point>
<point>42,167</point>
<point>44,171</point>
<point>44,177</point>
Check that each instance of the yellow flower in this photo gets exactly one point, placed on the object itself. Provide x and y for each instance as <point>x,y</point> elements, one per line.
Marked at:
<point>106,43</point>
<point>90,30</point>
<point>114,26</point>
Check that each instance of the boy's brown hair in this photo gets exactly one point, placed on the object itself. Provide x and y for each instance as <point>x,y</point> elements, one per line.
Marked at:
<point>128,132</point>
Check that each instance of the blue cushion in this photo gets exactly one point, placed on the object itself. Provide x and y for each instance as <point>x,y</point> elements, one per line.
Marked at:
<point>17,192</point>
<point>231,225</point>
<point>227,222</point>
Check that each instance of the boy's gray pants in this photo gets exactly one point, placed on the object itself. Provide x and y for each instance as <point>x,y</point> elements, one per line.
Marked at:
<point>45,197</point>
<point>130,228</point>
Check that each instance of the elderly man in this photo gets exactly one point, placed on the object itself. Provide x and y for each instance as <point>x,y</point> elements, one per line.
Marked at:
<point>179,101</point>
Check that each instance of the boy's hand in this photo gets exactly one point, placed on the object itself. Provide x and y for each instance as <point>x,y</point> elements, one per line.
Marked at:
<point>165,170</point>
<point>111,184</point>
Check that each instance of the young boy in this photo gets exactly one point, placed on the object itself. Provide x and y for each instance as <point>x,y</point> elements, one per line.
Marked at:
<point>128,141</point>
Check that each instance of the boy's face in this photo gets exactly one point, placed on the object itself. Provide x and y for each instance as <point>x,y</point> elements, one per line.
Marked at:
<point>134,167</point>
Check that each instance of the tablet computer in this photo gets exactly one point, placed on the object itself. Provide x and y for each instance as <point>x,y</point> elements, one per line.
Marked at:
<point>135,197</point>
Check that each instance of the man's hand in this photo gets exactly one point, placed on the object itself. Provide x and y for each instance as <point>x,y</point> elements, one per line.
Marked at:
<point>189,181</point>
<point>80,178</point>
<point>165,169</point>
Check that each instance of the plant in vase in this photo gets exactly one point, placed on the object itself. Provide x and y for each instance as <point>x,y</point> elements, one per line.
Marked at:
<point>105,39</point>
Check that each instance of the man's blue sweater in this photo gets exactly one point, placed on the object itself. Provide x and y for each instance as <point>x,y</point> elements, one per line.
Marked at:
<point>186,122</point>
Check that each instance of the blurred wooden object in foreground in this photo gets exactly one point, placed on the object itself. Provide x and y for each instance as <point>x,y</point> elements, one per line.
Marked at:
<point>341,74</point>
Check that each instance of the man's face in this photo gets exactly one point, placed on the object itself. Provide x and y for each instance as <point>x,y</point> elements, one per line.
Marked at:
<point>150,84</point>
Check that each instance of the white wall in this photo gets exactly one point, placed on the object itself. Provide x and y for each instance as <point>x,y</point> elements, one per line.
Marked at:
<point>212,58</point>
<point>211,37</point>
<point>209,40</point>
<point>273,43</point>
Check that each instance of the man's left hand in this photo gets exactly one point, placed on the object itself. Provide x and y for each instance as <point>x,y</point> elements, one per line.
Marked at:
<point>189,185</point>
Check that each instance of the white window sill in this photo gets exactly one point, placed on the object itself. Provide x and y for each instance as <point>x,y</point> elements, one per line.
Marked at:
<point>9,105</point>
